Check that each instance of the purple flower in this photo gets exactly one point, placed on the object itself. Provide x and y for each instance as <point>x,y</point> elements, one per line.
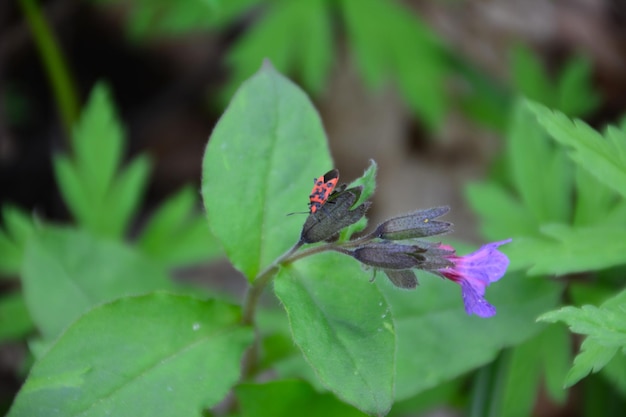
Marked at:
<point>474,272</point>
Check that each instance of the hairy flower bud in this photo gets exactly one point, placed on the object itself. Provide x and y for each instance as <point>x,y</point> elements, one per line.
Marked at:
<point>388,255</point>
<point>414,225</point>
<point>335,215</point>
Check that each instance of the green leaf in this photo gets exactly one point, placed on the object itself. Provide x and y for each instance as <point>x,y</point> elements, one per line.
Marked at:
<point>562,249</point>
<point>348,313</point>
<point>293,35</point>
<point>15,322</point>
<point>176,234</point>
<point>66,272</point>
<point>614,372</point>
<point>496,208</point>
<point>437,341</point>
<point>368,182</point>
<point>603,157</point>
<point>18,228</point>
<point>576,95</point>
<point>594,200</point>
<point>101,199</point>
<point>282,398</point>
<point>157,354</point>
<point>605,328</point>
<point>378,32</point>
<point>545,355</point>
<point>529,76</point>
<point>125,196</point>
<point>258,167</point>
<point>545,192</point>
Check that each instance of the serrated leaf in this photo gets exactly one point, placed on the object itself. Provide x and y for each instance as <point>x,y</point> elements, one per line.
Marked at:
<point>452,343</point>
<point>594,200</point>
<point>576,96</point>
<point>258,167</point>
<point>101,199</point>
<point>66,272</point>
<point>281,398</point>
<point>562,249</point>
<point>176,235</point>
<point>591,358</point>
<point>293,35</point>
<point>603,157</point>
<point>418,66</point>
<point>538,169</point>
<point>605,326</point>
<point>529,76</point>
<point>368,182</point>
<point>125,196</point>
<point>157,354</point>
<point>98,141</point>
<point>350,315</point>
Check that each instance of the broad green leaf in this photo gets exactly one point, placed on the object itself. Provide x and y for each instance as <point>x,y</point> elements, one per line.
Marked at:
<point>100,196</point>
<point>283,398</point>
<point>177,234</point>
<point>440,396</point>
<point>529,76</point>
<point>437,341</point>
<point>562,249</point>
<point>66,272</point>
<point>342,325</point>
<point>151,355</point>
<point>575,92</point>
<point>15,322</point>
<point>258,167</point>
<point>293,35</point>
<point>603,157</point>
<point>538,169</point>
<point>496,208</point>
<point>18,228</point>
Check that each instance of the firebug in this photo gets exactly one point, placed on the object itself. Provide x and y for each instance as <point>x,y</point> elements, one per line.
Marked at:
<point>323,187</point>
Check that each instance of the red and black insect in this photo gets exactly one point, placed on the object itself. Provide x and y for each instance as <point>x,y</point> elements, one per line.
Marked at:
<point>323,187</point>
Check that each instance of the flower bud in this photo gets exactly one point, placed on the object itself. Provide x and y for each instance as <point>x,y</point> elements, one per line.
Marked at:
<point>414,225</point>
<point>388,255</point>
<point>333,216</point>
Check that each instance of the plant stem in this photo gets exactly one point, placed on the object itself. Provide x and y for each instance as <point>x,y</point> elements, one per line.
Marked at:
<point>56,68</point>
<point>254,292</point>
<point>249,308</point>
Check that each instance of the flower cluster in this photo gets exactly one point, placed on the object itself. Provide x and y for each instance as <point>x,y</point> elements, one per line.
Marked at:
<point>395,248</point>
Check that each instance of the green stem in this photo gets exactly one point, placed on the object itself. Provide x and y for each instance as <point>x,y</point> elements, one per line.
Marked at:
<point>57,70</point>
<point>251,300</point>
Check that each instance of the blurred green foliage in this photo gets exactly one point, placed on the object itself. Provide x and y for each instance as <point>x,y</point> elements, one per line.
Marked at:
<point>558,190</point>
